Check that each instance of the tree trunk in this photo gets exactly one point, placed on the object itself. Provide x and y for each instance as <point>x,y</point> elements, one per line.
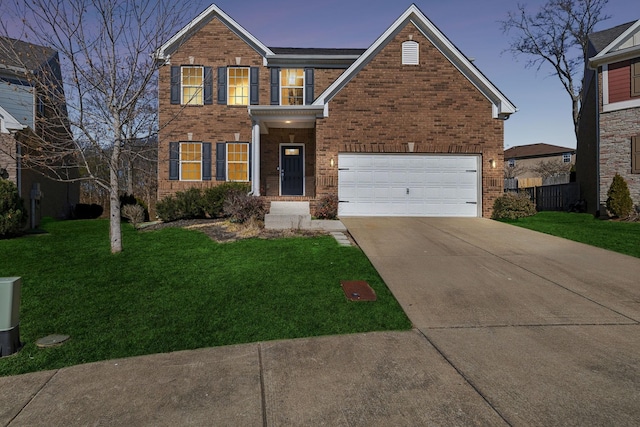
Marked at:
<point>115,232</point>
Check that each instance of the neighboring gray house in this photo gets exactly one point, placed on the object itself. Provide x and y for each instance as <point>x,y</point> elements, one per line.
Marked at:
<point>609,128</point>
<point>20,108</point>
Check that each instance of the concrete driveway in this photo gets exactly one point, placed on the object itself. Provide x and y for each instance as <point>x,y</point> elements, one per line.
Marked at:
<point>545,330</point>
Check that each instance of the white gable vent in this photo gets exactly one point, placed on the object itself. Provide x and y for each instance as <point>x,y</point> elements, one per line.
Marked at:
<point>410,53</point>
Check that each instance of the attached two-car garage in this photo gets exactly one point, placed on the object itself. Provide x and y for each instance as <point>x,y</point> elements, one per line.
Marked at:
<point>409,184</point>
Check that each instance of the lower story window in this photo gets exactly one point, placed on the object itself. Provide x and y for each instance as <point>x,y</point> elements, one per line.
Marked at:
<point>190,161</point>
<point>238,162</point>
<point>566,158</point>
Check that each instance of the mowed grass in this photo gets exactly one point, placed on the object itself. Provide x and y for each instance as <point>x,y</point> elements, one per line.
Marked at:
<point>176,289</point>
<point>618,236</point>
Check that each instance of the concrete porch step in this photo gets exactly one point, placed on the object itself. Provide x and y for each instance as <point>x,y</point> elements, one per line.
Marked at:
<point>287,215</point>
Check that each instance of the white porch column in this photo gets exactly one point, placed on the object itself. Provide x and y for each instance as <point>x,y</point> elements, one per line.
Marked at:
<point>255,173</point>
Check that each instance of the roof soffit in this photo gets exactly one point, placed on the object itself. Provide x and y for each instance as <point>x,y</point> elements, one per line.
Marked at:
<point>209,14</point>
<point>502,106</point>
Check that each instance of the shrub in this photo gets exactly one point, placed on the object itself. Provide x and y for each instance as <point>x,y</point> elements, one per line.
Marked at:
<point>86,211</point>
<point>214,197</point>
<point>327,207</point>
<point>135,214</point>
<point>13,215</point>
<point>240,207</point>
<point>619,201</point>
<point>130,199</point>
<point>183,205</point>
<point>513,206</point>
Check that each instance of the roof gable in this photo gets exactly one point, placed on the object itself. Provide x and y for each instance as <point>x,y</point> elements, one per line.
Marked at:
<point>502,107</point>
<point>8,123</point>
<point>616,44</point>
<point>209,14</point>
<point>19,56</point>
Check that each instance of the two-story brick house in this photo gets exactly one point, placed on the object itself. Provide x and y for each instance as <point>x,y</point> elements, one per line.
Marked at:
<point>408,126</point>
<point>609,128</point>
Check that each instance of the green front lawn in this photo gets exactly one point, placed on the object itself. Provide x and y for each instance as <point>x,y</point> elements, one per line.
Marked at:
<point>176,289</point>
<point>618,236</point>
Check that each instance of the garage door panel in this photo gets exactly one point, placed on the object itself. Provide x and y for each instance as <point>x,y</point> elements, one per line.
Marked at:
<point>438,185</point>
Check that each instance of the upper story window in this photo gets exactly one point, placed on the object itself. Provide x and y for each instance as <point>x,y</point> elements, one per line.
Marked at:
<point>410,53</point>
<point>566,157</point>
<point>292,86</point>
<point>190,161</point>
<point>512,163</point>
<point>192,85</point>
<point>238,86</point>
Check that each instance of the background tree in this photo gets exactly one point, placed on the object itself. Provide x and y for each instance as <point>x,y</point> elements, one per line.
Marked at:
<point>110,83</point>
<point>557,35</point>
<point>550,168</point>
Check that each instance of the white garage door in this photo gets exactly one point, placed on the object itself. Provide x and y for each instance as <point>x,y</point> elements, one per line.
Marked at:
<point>408,185</point>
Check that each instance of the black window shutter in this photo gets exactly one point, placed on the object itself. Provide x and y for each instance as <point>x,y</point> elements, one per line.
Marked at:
<point>222,85</point>
<point>206,161</point>
<point>254,85</point>
<point>175,84</point>
<point>174,161</point>
<point>308,86</point>
<point>221,161</point>
<point>275,86</point>
<point>208,86</point>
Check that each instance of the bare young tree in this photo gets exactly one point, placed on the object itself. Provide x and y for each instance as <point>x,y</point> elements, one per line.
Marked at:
<point>557,35</point>
<point>109,78</point>
<point>550,168</point>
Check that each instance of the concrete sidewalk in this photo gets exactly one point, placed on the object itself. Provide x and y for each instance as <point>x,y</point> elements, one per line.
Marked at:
<point>512,327</point>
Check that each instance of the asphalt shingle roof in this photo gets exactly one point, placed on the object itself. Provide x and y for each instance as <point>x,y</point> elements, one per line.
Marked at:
<point>27,55</point>
<point>535,150</point>
<point>602,39</point>
<point>315,51</point>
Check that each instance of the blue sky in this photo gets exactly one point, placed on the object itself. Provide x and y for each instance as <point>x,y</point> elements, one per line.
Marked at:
<point>544,108</point>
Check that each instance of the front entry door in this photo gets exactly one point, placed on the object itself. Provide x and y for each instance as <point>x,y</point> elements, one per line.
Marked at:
<point>292,170</point>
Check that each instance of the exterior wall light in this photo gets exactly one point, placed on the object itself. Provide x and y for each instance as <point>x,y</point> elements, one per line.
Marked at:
<point>492,162</point>
<point>331,162</point>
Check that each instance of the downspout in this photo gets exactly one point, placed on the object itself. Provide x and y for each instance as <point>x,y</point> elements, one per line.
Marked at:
<point>18,167</point>
<point>598,141</point>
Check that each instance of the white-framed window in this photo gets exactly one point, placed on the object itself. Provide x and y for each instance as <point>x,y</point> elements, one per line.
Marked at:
<point>566,157</point>
<point>410,53</point>
<point>238,86</point>
<point>192,90</point>
<point>190,161</point>
<point>292,86</point>
<point>512,163</point>
<point>238,161</point>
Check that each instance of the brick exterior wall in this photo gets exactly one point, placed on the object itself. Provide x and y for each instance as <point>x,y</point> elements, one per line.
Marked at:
<point>616,130</point>
<point>385,106</point>
<point>388,104</point>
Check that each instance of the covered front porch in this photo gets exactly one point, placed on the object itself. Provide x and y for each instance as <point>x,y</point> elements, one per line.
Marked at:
<point>284,152</point>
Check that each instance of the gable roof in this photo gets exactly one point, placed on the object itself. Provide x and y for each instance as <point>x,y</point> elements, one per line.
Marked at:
<point>502,107</point>
<point>9,123</point>
<point>209,14</point>
<point>615,44</point>
<point>535,150</point>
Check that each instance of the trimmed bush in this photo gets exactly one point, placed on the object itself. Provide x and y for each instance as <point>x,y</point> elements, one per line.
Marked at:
<point>13,215</point>
<point>240,207</point>
<point>327,207</point>
<point>86,211</point>
<point>183,205</point>
<point>513,206</point>
<point>214,197</point>
<point>135,214</point>
<point>129,199</point>
<point>619,201</point>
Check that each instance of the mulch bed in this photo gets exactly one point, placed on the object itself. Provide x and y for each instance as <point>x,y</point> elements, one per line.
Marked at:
<point>223,231</point>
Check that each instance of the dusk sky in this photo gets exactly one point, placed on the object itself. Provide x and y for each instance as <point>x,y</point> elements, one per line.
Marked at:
<point>544,108</point>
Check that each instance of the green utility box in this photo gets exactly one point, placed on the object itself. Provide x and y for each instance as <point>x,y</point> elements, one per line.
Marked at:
<point>9,315</point>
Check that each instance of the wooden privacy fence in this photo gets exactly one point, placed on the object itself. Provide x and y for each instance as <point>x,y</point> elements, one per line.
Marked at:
<point>560,197</point>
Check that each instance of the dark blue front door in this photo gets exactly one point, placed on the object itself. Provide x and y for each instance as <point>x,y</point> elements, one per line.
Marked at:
<point>291,170</point>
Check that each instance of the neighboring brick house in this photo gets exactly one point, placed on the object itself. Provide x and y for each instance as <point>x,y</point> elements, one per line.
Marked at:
<point>21,107</point>
<point>524,163</point>
<point>609,128</point>
<point>408,126</point>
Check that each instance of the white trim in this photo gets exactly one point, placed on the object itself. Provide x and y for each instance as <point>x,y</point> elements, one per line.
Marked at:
<point>255,144</point>
<point>503,107</point>
<point>609,54</point>
<point>410,52</point>
<point>280,87</point>
<point>226,160</point>
<point>180,161</point>
<point>8,123</point>
<point>304,184</point>
<point>183,86</point>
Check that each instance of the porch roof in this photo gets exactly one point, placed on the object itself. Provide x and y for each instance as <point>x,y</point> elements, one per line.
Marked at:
<point>294,116</point>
